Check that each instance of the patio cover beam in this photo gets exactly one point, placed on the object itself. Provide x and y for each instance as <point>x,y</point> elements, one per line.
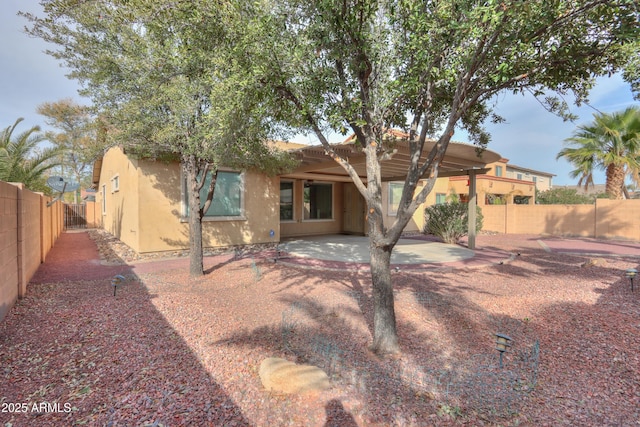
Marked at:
<point>327,164</point>
<point>317,177</point>
<point>443,174</point>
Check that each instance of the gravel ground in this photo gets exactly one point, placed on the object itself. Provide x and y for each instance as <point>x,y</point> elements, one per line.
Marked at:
<point>170,350</point>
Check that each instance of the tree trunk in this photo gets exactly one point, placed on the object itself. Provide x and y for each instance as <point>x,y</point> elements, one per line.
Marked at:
<point>190,169</point>
<point>615,181</point>
<point>385,335</point>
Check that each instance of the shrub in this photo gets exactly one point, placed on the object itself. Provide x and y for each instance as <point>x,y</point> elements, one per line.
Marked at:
<point>563,196</point>
<point>450,221</point>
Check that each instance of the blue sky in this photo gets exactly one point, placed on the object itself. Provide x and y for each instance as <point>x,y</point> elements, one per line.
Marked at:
<point>531,137</point>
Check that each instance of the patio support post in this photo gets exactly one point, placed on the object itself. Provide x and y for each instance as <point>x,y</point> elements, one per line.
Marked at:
<point>472,209</point>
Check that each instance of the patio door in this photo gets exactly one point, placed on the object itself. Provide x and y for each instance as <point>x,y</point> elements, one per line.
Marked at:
<point>354,210</point>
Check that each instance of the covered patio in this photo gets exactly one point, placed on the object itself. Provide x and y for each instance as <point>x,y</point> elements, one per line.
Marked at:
<point>347,206</point>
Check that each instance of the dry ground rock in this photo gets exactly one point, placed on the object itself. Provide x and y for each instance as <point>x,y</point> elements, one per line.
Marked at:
<point>281,375</point>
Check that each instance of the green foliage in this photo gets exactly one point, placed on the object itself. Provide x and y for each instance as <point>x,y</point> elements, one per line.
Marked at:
<point>77,139</point>
<point>632,69</point>
<point>612,143</point>
<point>603,196</point>
<point>450,221</point>
<point>23,160</point>
<point>163,80</point>
<point>426,67</point>
<point>563,196</point>
<point>162,77</point>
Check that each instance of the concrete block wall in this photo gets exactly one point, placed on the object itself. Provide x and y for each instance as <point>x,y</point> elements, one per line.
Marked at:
<point>8,247</point>
<point>608,219</point>
<point>28,230</point>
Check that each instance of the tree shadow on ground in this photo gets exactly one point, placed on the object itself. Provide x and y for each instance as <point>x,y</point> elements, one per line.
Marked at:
<point>105,360</point>
<point>591,371</point>
<point>449,364</point>
<point>444,362</point>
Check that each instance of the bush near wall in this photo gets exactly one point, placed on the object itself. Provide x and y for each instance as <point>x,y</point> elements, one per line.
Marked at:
<point>450,221</point>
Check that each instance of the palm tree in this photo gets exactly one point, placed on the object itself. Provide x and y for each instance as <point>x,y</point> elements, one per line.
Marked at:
<point>610,143</point>
<point>21,160</point>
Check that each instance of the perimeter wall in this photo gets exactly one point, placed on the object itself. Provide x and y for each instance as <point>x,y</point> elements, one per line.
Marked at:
<point>606,219</point>
<point>28,230</point>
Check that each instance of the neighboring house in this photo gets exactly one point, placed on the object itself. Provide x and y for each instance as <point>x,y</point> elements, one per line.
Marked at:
<point>505,184</point>
<point>143,202</point>
<point>542,180</point>
<point>88,195</point>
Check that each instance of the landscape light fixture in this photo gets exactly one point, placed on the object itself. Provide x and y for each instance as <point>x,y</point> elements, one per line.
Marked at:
<point>502,342</point>
<point>117,279</point>
<point>631,273</point>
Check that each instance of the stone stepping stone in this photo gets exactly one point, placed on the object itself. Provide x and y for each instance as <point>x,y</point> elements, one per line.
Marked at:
<point>282,376</point>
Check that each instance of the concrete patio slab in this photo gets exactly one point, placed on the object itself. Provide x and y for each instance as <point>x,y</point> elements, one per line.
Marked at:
<point>355,249</point>
<point>415,253</point>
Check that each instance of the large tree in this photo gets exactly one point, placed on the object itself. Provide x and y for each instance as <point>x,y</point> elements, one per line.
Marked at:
<point>427,67</point>
<point>610,143</point>
<point>160,75</point>
<point>631,71</point>
<point>23,159</point>
<point>77,138</point>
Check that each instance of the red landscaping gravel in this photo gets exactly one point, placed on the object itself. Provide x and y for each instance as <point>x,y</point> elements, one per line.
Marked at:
<point>170,350</point>
<point>75,257</point>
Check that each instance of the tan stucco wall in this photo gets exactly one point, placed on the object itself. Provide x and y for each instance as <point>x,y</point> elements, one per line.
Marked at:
<point>543,182</point>
<point>301,227</point>
<point>122,213</point>
<point>147,214</point>
<point>417,221</point>
<point>159,189</point>
<point>162,227</point>
<point>486,184</point>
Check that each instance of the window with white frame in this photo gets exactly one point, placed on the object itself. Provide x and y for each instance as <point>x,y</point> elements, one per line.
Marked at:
<point>115,183</point>
<point>228,196</point>
<point>104,199</point>
<point>441,198</point>
<point>286,200</point>
<point>395,193</point>
<point>318,200</point>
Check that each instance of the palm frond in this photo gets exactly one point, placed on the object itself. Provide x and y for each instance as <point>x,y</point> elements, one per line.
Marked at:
<point>611,139</point>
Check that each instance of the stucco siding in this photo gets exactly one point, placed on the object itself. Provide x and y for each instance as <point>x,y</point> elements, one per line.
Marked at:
<point>159,192</point>
<point>486,184</point>
<point>416,223</point>
<point>121,207</point>
<point>163,226</point>
<point>261,211</point>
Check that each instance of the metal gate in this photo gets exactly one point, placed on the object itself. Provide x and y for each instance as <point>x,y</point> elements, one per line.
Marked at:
<point>75,216</point>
